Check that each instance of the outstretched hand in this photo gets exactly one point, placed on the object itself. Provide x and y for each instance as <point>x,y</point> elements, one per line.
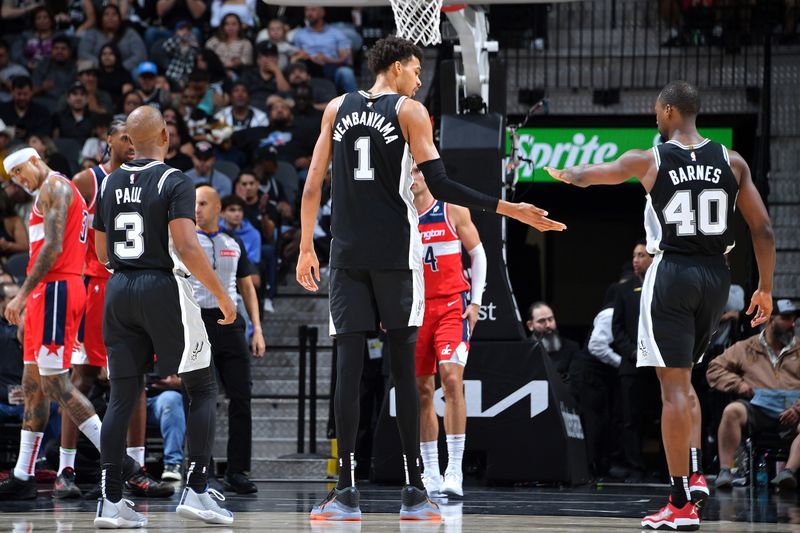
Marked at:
<point>530,215</point>
<point>308,270</point>
<point>761,303</point>
<point>556,174</point>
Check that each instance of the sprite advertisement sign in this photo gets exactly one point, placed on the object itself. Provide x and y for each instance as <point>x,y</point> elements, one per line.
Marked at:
<point>566,147</point>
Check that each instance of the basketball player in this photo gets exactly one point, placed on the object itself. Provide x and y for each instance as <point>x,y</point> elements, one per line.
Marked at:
<point>376,253</point>
<point>54,296</point>
<point>446,329</point>
<point>693,186</point>
<point>89,353</point>
<point>144,231</point>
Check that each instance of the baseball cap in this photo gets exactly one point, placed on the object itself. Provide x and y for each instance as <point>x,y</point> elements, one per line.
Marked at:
<point>75,87</point>
<point>784,306</point>
<point>182,24</point>
<point>147,67</point>
<point>203,150</point>
<point>266,48</point>
<point>87,65</point>
<point>265,153</point>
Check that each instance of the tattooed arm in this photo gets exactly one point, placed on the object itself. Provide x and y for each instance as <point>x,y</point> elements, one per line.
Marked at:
<point>53,202</point>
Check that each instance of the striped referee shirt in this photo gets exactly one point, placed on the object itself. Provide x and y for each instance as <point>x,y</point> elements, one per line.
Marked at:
<point>224,252</point>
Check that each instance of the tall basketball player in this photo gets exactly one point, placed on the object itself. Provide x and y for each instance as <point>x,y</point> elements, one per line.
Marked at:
<point>144,229</point>
<point>443,341</point>
<point>693,186</point>
<point>376,253</point>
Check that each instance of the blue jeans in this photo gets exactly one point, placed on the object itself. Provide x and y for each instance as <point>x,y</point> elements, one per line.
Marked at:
<point>342,75</point>
<point>166,410</point>
<point>51,431</point>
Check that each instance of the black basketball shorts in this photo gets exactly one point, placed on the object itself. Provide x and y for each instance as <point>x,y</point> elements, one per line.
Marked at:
<point>682,301</point>
<point>151,313</point>
<point>362,299</point>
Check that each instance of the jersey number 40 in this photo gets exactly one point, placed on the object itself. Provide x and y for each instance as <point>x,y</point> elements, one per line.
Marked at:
<point>711,216</point>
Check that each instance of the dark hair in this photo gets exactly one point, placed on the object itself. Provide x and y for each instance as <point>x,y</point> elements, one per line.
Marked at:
<point>232,199</point>
<point>121,29</point>
<point>49,14</point>
<point>125,97</point>
<point>115,124</point>
<point>117,56</point>
<point>391,49</point>
<point>640,242</point>
<point>20,82</point>
<point>179,122</point>
<point>63,39</point>
<point>199,75</point>
<point>247,171</point>
<point>681,95</point>
<point>216,70</point>
<point>4,44</point>
<point>6,205</point>
<point>221,30</point>
<point>101,119</point>
<point>534,306</point>
<point>238,84</point>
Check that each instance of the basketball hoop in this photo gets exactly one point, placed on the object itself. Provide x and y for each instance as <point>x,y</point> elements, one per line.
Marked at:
<point>418,20</point>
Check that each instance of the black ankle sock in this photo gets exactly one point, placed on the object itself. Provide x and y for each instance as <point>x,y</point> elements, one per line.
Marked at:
<point>695,461</point>
<point>412,468</point>
<point>679,491</point>
<point>197,480</point>
<point>346,470</point>
<point>111,482</point>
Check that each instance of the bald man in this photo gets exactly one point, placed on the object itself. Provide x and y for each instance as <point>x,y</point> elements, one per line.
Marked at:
<point>145,232</point>
<point>228,346</point>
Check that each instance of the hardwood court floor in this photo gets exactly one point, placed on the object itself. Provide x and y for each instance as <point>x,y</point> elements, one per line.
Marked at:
<point>284,507</point>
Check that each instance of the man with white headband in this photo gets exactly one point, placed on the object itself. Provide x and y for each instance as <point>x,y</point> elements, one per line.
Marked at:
<point>54,296</point>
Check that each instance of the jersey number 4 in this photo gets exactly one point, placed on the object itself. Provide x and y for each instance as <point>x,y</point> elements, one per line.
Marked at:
<point>133,226</point>
<point>430,258</point>
<point>712,211</point>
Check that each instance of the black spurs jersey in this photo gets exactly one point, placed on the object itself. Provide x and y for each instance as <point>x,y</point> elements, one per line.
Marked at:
<point>690,208</point>
<point>134,207</point>
<point>373,218</point>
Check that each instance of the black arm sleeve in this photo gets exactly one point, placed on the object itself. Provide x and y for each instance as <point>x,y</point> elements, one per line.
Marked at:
<point>449,191</point>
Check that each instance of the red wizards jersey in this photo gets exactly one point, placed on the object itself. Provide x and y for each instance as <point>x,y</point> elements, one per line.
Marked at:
<point>73,254</point>
<point>444,272</point>
<point>94,267</point>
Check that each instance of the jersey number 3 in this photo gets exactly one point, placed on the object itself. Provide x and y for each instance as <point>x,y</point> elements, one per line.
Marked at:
<point>133,226</point>
<point>712,211</point>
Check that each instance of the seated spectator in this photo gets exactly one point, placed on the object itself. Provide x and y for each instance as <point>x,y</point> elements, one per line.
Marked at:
<point>14,14</point>
<point>13,234</point>
<point>8,70</point>
<point>175,157</point>
<point>55,74</point>
<point>165,409</point>
<point>112,77</point>
<point>308,117</point>
<point>47,150</point>
<point>326,49</point>
<point>76,15</point>
<point>562,351</point>
<point>245,11</point>
<point>112,29</point>
<point>130,101</point>
<point>181,49</point>
<point>25,116</point>
<point>293,141</point>
<point>98,100</point>
<point>209,98</point>
<point>208,61</point>
<point>266,77</point>
<point>769,361</point>
<point>95,147</point>
<point>233,220</point>
<point>240,115</point>
<point>148,87</point>
<point>229,43</point>
<point>203,171</point>
<point>167,15</point>
<point>76,121</point>
<point>322,90</point>
<point>275,32</point>
<point>35,45</point>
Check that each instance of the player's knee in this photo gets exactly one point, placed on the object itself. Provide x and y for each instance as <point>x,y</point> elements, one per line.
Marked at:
<point>452,384</point>
<point>425,390</point>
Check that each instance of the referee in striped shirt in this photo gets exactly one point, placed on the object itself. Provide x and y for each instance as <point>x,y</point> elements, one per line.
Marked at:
<point>229,349</point>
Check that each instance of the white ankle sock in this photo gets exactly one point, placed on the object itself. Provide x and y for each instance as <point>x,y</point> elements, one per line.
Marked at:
<point>137,454</point>
<point>430,457</point>
<point>66,459</point>
<point>455,452</point>
<point>29,442</point>
<point>91,428</point>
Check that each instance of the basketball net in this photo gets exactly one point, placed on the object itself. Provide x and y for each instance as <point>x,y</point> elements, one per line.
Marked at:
<point>418,20</point>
